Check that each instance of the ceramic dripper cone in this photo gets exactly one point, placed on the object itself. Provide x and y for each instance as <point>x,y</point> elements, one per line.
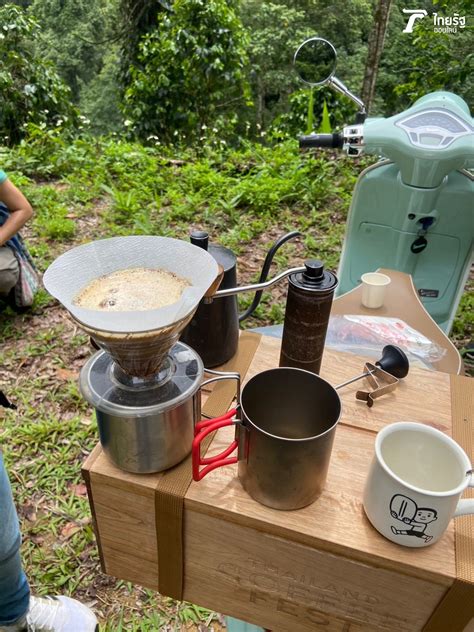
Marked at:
<point>137,340</point>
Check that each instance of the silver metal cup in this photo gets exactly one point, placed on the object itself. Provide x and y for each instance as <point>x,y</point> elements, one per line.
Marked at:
<point>289,420</point>
<point>284,437</point>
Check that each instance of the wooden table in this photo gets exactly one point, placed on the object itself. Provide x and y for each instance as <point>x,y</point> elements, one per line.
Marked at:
<point>319,568</point>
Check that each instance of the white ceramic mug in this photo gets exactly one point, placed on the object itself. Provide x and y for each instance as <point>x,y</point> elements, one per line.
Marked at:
<point>374,285</point>
<point>415,482</point>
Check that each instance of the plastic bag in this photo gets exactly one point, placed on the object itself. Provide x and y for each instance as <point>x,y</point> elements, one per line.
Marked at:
<point>367,335</point>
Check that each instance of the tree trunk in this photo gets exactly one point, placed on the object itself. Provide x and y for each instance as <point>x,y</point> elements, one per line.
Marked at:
<point>138,17</point>
<point>260,102</point>
<point>376,42</point>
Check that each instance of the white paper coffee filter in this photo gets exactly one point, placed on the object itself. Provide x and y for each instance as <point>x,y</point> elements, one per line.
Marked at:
<point>73,270</point>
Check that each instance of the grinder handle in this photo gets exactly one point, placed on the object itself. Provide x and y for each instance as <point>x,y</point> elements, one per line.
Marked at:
<point>202,429</point>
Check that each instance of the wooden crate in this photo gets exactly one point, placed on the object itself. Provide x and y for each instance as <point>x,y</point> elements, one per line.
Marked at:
<point>319,568</point>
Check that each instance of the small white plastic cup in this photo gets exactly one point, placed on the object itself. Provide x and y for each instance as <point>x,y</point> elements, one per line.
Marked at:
<point>374,285</point>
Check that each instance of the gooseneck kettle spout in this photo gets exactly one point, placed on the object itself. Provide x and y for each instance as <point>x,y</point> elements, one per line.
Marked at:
<point>255,287</point>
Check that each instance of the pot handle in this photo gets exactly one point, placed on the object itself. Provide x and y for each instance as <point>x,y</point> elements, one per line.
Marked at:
<point>201,430</point>
<point>223,375</point>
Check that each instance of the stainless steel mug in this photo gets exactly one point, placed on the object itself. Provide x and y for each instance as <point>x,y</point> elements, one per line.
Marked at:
<point>147,425</point>
<point>285,426</point>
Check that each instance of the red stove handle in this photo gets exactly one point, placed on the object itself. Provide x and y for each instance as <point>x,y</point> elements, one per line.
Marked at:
<point>204,423</point>
<point>214,424</point>
<point>201,430</point>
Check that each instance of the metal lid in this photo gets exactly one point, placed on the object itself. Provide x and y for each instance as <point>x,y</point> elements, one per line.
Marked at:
<point>109,389</point>
<point>315,278</point>
<point>224,256</point>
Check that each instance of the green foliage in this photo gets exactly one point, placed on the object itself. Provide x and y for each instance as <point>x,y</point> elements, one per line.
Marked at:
<point>73,34</point>
<point>186,67</point>
<point>325,127</point>
<point>30,88</point>
<point>345,24</point>
<point>310,114</point>
<point>100,97</point>
<point>275,31</point>
<point>236,194</point>
<point>324,102</point>
<point>79,37</point>
<point>449,58</point>
<point>191,69</point>
<point>47,152</point>
<point>464,322</point>
<point>50,217</point>
<point>136,19</point>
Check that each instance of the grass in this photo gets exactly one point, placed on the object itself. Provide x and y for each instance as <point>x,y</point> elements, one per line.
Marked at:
<point>88,189</point>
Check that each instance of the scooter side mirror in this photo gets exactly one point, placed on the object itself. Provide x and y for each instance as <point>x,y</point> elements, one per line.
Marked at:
<point>315,63</point>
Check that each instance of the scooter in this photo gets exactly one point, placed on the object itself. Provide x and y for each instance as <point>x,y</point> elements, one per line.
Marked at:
<point>413,210</point>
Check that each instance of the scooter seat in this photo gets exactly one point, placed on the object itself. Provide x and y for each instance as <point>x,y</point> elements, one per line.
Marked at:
<point>401,301</point>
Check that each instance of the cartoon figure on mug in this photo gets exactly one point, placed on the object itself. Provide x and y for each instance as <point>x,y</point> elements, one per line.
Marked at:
<point>405,509</point>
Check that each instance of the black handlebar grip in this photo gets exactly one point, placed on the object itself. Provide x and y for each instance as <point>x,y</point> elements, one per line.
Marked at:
<point>327,141</point>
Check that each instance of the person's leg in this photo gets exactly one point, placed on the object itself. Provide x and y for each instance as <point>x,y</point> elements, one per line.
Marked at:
<point>18,611</point>
<point>9,271</point>
<point>14,589</point>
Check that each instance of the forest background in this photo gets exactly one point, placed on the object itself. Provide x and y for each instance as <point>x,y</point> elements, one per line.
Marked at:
<point>176,69</point>
<point>154,117</point>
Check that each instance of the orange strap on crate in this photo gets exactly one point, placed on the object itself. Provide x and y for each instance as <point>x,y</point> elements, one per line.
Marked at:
<point>173,484</point>
<point>456,609</point>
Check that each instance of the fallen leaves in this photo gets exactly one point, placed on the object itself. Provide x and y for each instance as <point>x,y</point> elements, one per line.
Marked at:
<point>66,374</point>
<point>69,529</point>
<point>79,490</point>
<point>28,512</point>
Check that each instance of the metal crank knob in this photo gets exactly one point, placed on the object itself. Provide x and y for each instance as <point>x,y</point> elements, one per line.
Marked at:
<point>394,361</point>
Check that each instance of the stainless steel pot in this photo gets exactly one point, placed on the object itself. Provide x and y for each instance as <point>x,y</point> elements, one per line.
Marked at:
<point>146,425</point>
<point>152,442</point>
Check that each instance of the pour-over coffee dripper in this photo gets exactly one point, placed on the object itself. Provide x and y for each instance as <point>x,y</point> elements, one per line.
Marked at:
<point>139,354</point>
<point>137,340</point>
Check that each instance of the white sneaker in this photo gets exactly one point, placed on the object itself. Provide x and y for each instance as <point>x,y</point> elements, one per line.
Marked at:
<point>55,614</point>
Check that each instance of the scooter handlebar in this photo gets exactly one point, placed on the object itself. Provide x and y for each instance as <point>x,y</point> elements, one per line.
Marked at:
<point>326,141</point>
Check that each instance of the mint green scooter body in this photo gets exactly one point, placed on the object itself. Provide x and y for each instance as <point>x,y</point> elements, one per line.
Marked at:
<point>235,625</point>
<point>423,191</point>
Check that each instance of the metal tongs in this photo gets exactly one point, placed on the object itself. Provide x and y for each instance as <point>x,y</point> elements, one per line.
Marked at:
<point>383,376</point>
